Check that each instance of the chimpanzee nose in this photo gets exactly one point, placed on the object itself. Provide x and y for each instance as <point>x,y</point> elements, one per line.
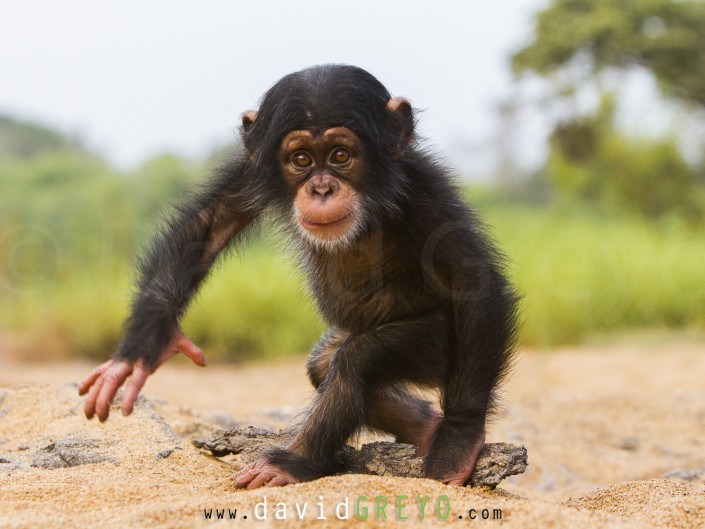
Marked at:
<point>323,187</point>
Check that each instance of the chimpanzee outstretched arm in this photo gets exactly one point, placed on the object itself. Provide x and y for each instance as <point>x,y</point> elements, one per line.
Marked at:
<point>178,260</point>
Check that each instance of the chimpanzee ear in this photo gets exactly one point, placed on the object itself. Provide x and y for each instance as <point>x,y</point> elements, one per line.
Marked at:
<point>248,118</point>
<point>404,114</point>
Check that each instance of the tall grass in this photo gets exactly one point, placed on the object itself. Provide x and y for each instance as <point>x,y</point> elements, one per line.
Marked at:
<point>579,273</point>
<point>582,274</point>
<point>255,305</point>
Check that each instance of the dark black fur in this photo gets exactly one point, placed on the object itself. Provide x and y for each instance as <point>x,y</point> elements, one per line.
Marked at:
<point>418,297</point>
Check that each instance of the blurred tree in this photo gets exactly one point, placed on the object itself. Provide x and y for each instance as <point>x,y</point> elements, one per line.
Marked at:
<point>20,139</point>
<point>223,153</point>
<point>577,41</point>
<point>591,160</point>
<point>66,192</point>
<point>666,37</point>
<point>159,184</point>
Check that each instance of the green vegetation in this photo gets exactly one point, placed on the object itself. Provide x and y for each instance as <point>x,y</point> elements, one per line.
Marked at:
<point>617,243</point>
<point>579,45</point>
<point>589,159</point>
<point>579,273</point>
<point>584,274</point>
<point>577,40</point>
<point>71,227</point>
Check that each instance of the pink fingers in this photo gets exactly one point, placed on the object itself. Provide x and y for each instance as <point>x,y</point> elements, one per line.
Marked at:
<point>188,348</point>
<point>135,384</point>
<point>93,376</point>
<point>112,379</point>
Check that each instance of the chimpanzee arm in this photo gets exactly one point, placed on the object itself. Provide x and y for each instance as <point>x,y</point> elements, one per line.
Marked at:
<point>176,264</point>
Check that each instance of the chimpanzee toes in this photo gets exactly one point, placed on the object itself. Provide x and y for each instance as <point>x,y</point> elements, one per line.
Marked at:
<point>262,473</point>
<point>277,468</point>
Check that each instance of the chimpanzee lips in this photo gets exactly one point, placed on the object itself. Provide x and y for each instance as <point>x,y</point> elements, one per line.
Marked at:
<point>312,224</point>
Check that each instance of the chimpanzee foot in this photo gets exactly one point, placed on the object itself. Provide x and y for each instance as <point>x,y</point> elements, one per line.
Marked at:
<point>457,467</point>
<point>262,473</point>
<point>275,469</point>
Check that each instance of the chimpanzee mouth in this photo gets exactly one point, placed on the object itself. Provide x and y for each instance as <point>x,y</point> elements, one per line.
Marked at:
<point>306,223</point>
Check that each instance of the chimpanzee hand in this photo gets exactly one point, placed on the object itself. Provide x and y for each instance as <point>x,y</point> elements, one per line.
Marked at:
<point>103,382</point>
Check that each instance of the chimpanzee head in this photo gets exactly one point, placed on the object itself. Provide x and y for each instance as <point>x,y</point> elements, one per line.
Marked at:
<point>327,142</point>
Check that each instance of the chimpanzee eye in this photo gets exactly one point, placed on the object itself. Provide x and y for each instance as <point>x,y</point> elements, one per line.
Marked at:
<point>340,156</point>
<point>302,159</point>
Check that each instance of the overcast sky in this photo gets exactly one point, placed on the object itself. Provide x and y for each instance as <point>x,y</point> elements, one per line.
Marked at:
<point>133,78</point>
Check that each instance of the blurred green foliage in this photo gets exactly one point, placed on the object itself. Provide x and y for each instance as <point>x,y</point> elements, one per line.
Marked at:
<point>70,227</point>
<point>584,274</point>
<point>26,139</point>
<point>666,37</point>
<point>575,42</point>
<point>591,161</point>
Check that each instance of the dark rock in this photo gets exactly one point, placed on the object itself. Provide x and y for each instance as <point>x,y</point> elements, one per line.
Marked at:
<point>496,461</point>
<point>383,459</point>
<point>249,441</point>
<point>8,464</point>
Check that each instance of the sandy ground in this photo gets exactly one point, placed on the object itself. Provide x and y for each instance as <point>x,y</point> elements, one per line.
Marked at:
<point>602,427</point>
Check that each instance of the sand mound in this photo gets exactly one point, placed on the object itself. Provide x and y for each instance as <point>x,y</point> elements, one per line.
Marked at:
<point>600,425</point>
<point>59,470</point>
<point>655,503</point>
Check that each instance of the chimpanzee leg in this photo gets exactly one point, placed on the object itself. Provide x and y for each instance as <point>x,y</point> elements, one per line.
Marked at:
<point>391,409</point>
<point>458,441</point>
<point>410,419</point>
<point>413,350</point>
<point>482,356</point>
